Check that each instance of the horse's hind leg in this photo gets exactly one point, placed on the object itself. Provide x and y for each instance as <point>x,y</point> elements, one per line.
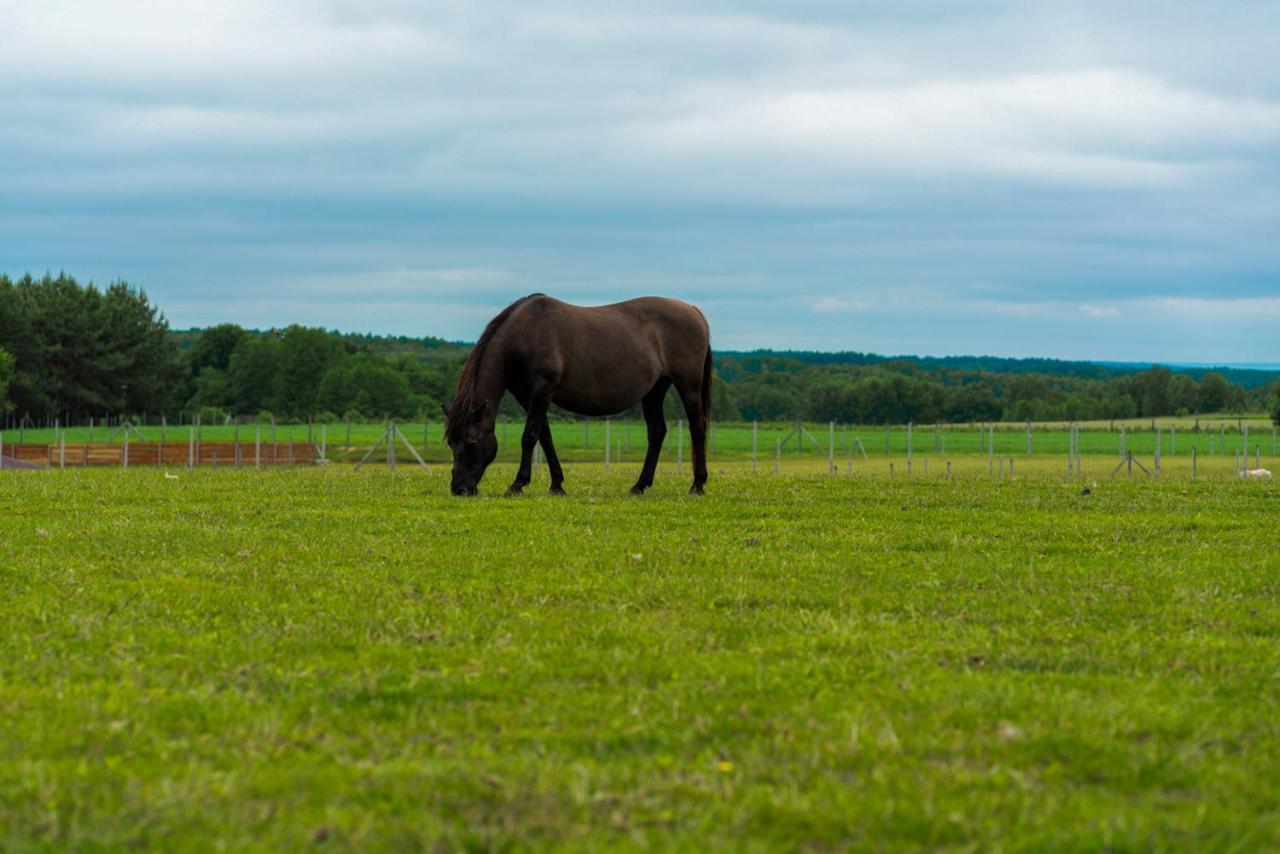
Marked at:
<point>657,427</point>
<point>553,461</point>
<point>693,409</point>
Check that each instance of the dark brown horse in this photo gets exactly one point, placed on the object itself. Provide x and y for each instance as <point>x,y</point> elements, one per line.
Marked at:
<point>592,361</point>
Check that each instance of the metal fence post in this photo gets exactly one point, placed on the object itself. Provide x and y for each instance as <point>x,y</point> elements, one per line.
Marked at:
<point>991,450</point>
<point>910,430</point>
<point>755,431</point>
<point>1159,436</point>
<point>679,445</point>
<point>831,447</point>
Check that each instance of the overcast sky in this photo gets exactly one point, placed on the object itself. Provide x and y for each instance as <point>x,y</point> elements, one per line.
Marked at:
<point>1071,179</point>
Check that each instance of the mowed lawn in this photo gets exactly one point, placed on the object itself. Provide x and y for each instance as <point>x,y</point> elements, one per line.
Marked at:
<point>302,658</point>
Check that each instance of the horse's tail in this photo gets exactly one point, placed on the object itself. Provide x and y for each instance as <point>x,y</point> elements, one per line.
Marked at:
<point>706,385</point>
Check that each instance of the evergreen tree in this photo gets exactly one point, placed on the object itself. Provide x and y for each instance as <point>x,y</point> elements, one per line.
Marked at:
<point>251,372</point>
<point>6,376</point>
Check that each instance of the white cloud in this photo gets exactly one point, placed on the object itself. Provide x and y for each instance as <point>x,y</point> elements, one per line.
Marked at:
<point>829,304</point>
<point>1210,311</point>
<point>1100,126</point>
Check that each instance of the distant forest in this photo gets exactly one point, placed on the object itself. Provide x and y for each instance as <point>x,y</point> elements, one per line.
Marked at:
<point>74,351</point>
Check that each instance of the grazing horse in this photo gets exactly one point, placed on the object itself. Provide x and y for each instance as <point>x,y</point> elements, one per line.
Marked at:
<point>592,361</point>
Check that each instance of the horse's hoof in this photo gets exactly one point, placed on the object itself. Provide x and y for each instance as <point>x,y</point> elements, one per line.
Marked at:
<point>696,489</point>
<point>514,490</point>
<point>556,489</point>
<point>637,490</point>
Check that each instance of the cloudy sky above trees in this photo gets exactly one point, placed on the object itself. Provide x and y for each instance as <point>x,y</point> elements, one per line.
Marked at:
<point>1084,179</point>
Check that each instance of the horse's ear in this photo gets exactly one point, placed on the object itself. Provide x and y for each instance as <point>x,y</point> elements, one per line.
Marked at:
<point>484,411</point>
<point>444,407</point>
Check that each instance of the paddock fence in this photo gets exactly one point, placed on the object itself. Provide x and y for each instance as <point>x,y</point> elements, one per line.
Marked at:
<point>65,455</point>
<point>1137,447</point>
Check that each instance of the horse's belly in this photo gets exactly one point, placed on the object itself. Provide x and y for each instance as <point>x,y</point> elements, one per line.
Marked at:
<point>605,399</point>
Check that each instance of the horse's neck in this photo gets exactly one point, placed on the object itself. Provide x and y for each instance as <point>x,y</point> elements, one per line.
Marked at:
<point>491,380</point>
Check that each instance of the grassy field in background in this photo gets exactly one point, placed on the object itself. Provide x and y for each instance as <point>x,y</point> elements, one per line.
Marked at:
<point>279,659</point>
<point>584,441</point>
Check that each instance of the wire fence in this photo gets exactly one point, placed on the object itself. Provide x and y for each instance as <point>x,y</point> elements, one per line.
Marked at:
<point>1155,444</point>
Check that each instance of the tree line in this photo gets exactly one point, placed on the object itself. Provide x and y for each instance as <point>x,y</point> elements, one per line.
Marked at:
<point>773,388</point>
<point>76,351</point>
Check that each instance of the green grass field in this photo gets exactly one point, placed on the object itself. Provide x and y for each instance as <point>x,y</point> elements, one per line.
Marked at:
<point>316,657</point>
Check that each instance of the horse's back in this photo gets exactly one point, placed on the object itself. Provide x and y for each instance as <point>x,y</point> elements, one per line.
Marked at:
<point>607,357</point>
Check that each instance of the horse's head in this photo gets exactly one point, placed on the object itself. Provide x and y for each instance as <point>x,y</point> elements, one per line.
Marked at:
<point>470,435</point>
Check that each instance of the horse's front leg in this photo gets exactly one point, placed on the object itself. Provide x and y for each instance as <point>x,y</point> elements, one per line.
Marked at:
<point>534,424</point>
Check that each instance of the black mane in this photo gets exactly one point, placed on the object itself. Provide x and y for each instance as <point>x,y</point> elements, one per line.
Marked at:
<point>464,398</point>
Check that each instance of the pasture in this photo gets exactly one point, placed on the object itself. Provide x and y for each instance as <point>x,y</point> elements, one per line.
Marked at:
<point>275,659</point>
